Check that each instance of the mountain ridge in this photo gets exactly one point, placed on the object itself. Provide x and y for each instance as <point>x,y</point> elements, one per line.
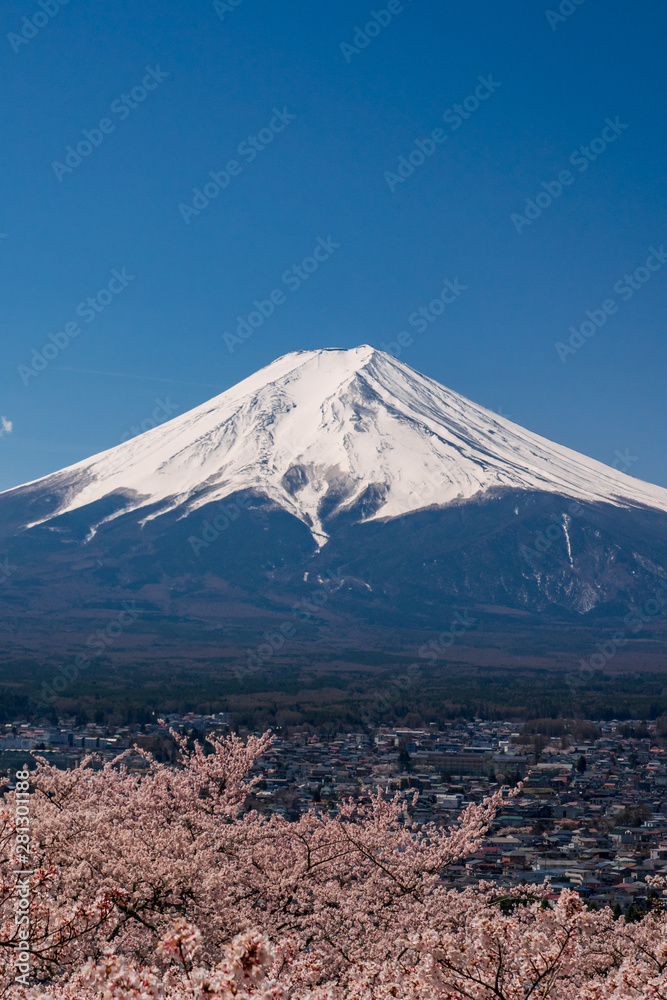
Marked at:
<point>344,465</point>
<point>322,433</point>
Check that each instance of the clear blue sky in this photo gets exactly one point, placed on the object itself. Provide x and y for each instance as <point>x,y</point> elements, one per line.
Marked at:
<point>217,76</point>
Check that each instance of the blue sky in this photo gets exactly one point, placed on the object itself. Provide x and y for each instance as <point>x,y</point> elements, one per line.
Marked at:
<point>170,93</point>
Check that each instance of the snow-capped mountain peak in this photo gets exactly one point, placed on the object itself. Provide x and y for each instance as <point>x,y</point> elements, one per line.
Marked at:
<point>326,432</point>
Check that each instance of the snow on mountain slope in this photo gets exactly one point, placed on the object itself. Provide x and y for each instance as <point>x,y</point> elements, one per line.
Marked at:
<point>332,423</point>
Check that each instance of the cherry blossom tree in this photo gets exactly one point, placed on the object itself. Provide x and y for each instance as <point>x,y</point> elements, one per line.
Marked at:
<point>161,883</point>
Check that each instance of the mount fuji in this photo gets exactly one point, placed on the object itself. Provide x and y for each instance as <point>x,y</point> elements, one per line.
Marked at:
<point>343,464</point>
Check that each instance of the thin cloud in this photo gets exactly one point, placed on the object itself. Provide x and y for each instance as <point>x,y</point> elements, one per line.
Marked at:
<point>7,426</point>
<point>144,378</point>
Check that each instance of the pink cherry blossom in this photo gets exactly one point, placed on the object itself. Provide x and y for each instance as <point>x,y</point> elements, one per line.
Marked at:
<point>163,885</point>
